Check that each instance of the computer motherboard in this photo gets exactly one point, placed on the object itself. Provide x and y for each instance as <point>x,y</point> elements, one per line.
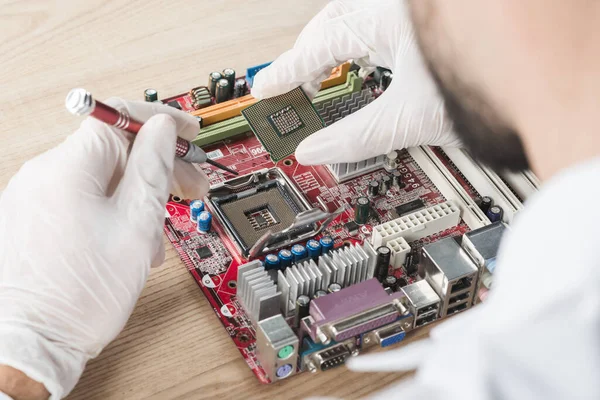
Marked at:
<point>306,266</point>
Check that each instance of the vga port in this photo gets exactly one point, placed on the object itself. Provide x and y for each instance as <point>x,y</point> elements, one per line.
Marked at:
<point>331,357</point>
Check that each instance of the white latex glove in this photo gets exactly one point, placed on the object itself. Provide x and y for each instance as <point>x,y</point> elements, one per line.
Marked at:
<point>409,113</point>
<point>80,227</point>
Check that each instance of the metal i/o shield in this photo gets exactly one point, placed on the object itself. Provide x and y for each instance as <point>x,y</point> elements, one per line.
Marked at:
<point>283,121</point>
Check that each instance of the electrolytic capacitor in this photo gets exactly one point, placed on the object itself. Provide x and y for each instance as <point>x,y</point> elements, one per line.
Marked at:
<point>285,258</point>
<point>272,262</point>
<point>150,95</point>
<point>495,213</point>
<point>313,248</point>
<point>386,80</point>
<point>334,287</point>
<point>326,244</point>
<point>229,74</point>
<point>204,222</point>
<point>362,210</point>
<point>409,266</point>
<point>385,184</point>
<point>486,203</point>
<point>223,91</point>
<point>382,264</point>
<point>302,309</point>
<point>373,189</point>
<point>196,207</point>
<point>397,180</point>
<point>319,293</point>
<point>213,78</point>
<point>390,161</point>
<point>298,252</point>
<point>239,88</point>
<point>390,281</point>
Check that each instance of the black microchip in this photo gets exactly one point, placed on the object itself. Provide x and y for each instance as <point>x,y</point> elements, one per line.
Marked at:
<point>351,226</point>
<point>204,252</point>
<point>174,104</point>
<point>409,207</point>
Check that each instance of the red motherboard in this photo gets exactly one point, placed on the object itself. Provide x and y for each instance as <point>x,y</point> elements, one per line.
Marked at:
<point>213,260</point>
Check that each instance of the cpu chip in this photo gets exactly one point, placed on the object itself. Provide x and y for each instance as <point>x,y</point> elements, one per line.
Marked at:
<point>282,122</point>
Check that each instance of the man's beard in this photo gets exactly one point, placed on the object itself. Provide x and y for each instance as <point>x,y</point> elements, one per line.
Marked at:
<point>482,129</point>
<point>483,133</point>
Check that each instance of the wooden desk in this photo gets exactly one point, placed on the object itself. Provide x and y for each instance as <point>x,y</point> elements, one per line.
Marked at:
<point>173,346</point>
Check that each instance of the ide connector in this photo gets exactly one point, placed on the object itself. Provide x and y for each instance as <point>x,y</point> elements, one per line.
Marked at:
<point>423,302</point>
<point>353,311</point>
<point>451,273</point>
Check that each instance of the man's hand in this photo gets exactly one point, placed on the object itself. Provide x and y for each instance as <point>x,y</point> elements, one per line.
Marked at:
<point>409,113</point>
<point>19,386</point>
<point>80,226</point>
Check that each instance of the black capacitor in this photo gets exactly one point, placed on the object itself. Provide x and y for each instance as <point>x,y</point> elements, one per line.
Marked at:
<point>409,265</point>
<point>362,210</point>
<point>385,184</point>
<point>334,287</point>
<point>319,293</point>
<point>223,93</point>
<point>486,203</point>
<point>229,74</point>
<point>373,189</point>
<point>302,309</point>
<point>386,80</point>
<point>239,88</point>
<point>390,281</point>
<point>397,180</point>
<point>150,95</point>
<point>213,78</point>
<point>401,283</point>
<point>382,265</point>
<point>495,213</point>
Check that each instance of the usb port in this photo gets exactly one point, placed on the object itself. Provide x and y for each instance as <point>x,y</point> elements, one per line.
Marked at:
<point>462,284</point>
<point>426,310</point>
<point>455,309</point>
<point>458,298</point>
<point>425,320</point>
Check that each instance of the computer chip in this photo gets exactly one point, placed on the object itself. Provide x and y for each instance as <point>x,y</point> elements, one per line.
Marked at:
<point>282,122</point>
<point>204,252</point>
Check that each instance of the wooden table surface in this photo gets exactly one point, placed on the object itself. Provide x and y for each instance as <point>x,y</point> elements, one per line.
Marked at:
<point>173,346</point>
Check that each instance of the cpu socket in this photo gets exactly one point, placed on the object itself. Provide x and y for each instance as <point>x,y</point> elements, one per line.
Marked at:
<point>266,201</point>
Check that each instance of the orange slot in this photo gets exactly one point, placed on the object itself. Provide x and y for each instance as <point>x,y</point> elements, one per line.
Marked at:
<point>232,108</point>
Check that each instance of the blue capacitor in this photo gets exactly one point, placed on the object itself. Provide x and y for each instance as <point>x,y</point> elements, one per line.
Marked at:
<point>314,249</point>
<point>196,207</point>
<point>272,262</point>
<point>298,252</point>
<point>285,258</point>
<point>495,213</point>
<point>326,244</point>
<point>204,222</point>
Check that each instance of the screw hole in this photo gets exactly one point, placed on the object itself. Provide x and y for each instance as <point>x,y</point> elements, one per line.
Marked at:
<point>288,162</point>
<point>243,338</point>
<point>232,284</point>
<point>176,199</point>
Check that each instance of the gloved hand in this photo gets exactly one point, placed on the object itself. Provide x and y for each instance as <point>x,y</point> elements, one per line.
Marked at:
<point>409,113</point>
<point>80,227</point>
